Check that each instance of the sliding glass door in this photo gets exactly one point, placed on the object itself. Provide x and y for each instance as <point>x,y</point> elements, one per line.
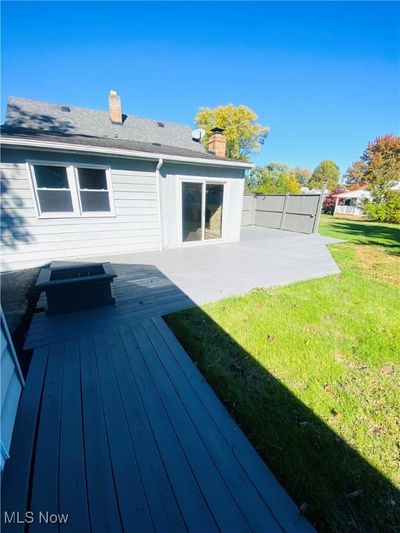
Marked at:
<point>192,201</point>
<point>202,205</point>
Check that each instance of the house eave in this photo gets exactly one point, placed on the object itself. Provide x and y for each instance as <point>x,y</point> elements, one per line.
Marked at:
<point>118,152</point>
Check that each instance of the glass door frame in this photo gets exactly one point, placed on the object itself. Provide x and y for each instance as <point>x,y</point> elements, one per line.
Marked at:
<point>203,182</point>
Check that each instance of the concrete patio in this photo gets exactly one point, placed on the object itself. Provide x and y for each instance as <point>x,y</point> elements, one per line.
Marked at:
<point>263,258</point>
<point>156,283</point>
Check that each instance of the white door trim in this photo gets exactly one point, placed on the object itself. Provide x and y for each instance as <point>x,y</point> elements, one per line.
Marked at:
<point>225,208</point>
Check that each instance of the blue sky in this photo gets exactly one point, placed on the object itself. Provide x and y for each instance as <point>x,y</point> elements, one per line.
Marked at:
<point>324,76</point>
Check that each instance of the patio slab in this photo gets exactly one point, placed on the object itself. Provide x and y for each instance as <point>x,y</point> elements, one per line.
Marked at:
<point>156,283</point>
<point>263,258</point>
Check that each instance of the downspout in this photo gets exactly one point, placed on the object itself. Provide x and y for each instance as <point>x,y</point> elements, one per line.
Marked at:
<point>158,167</point>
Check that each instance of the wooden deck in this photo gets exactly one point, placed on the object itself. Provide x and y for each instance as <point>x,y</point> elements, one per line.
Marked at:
<point>120,431</point>
<point>140,291</point>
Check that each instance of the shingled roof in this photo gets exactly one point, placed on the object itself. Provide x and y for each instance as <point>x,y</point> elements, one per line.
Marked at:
<point>36,119</point>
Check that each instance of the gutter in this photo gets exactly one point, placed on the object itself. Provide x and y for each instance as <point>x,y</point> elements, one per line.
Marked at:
<point>118,152</point>
<point>158,168</point>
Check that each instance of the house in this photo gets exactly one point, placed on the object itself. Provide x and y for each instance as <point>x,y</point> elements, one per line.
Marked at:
<point>350,203</point>
<point>81,182</point>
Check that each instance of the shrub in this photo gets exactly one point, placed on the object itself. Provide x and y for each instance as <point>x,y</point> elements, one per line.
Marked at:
<point>328,205</point>
<point>386,210</point>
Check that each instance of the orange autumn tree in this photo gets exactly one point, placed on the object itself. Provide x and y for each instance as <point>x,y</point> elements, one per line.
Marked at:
<point>378,167</point>
<point>378,170</point>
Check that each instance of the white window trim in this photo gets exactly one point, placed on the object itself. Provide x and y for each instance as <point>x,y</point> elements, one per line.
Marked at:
<point>73,184</point>
<point>225,207</point>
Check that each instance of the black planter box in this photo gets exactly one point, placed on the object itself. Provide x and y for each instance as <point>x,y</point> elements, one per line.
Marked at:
<point>73,286</point>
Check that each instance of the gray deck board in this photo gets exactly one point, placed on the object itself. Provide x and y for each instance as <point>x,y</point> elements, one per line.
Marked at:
<point>156,283</point>
<point>264,482</point>
<point>129,437</point>
<point>257,515</point>
<point>117,427</point>
<point>18,467</point>
<point>194,509</point>
<point>219,499</point>
<point>165,510</point>
<point>45,468</point>
<point>73,488</point>
<point>135,515</point>
<point>103,505</point>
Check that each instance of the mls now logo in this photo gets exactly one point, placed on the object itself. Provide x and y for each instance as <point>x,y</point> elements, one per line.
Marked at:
<point>15,517</point>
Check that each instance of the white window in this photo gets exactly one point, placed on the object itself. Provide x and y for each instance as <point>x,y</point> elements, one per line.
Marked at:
<point>63,190</point>
<point>93,190</point>
<point>53,189</point>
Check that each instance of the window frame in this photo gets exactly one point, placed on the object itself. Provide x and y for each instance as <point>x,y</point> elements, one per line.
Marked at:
<point>73,187</point>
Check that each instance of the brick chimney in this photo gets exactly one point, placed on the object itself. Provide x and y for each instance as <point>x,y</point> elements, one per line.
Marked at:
<point>217,142</point>
<point>114,103</point>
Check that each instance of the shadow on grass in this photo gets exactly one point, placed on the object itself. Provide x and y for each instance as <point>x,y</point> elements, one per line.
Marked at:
<point>336,487</point>
<point>370,233</point>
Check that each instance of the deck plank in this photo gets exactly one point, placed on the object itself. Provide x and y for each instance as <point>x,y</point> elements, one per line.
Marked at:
<point>196,513</point>
<point>273,494</point>
<point>46,462</point>
<point>224,508</point>
<point>73,490</point>
<point>132,501</point>
<point>49,332</point>
<point>256,513</point>
<point>103,506</point>
<point>159,492</point>
<point>16,480</point>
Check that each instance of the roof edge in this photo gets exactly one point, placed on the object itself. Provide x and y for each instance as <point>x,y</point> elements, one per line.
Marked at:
<point>118,152</point>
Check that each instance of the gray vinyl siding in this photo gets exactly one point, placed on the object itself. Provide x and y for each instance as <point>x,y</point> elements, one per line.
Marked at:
<point>11,387</point>
<point>31,241</point>
<point>169,190</point>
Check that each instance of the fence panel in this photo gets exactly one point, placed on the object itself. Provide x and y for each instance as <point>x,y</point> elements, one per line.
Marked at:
<point>292,212</point>
<point>248,210</point>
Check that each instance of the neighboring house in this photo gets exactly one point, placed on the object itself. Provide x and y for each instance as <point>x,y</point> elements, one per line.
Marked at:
<point>80,182</point>
<point>350,203</point>
<point>306,190</point>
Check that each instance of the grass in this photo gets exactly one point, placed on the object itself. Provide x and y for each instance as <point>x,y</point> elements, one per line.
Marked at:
<point>311,372</point>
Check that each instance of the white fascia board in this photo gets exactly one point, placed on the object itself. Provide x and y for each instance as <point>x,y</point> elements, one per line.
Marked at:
<point>118,152</point>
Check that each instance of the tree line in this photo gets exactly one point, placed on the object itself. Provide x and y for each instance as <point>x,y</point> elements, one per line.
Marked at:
<point>281,178</point>
<point>377,170</point>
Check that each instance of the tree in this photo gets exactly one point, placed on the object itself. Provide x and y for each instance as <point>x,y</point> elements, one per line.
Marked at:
<point>251,180</point>
<point>328,205</point>
<point>326,171</point>
<point>378,169</point>
<point>243,134</point>
<point>303,176</point>
<point>275,178</point>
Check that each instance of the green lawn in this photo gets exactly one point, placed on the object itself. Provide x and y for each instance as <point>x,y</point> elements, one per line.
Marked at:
<point>311,372</point>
